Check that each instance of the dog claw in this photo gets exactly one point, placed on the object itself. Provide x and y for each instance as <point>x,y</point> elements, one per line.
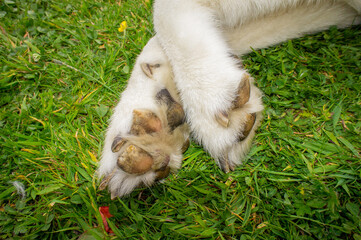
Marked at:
<point>117,144</point>
<point>162,174</point>
<point>106,180</point>
<point>175,112</point>
<point>112,196</point>
<point>223,119</point>
<point>243,95</point>
<point>185,145</point>
<point>225,165</point>
<point>244,92</point>
<point>175,116</point>
<point>251,119</point>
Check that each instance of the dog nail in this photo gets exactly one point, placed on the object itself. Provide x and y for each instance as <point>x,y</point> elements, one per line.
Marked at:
<point>175,116</point>
<point>244,92</point>
<point>224,164</point>
<point>117,144</point>
<point>251,119</point>
<point>175,112</point>
<point>185,145</point>
<point>163,173</point>
<point>149,68</point>
<point>106,180</point>
<point>223,119</point>
<point>113,195</point>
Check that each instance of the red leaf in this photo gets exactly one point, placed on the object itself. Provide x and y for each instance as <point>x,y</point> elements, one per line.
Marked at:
<point>104,212</point>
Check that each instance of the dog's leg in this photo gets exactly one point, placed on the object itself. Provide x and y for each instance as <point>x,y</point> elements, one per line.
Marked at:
<point>207,76</point>
<point>289,23</point>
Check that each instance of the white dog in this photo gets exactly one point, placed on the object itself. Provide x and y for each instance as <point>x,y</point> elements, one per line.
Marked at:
<point>194,43</point>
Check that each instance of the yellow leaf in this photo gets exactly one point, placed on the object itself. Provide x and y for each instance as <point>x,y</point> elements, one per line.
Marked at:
<point>30,151</point>
<point>286,168</point>
<point>21,177</point>
<point>38,120</point>
<point>92,157</point>
<point>122,26</point>
<point>297,118</point>
<point>262,225</point>
<point>85,166</point>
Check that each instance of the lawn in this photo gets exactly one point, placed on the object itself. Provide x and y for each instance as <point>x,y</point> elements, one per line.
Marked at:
<point>63,65</point>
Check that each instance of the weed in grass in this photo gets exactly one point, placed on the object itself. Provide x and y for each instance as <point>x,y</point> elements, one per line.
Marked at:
<point>63,66</point>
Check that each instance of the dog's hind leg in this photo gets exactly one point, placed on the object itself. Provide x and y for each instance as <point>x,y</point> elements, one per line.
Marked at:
<point>284,24</point>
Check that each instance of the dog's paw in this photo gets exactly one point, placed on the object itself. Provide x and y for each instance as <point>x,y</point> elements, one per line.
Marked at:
<point>147,134</point>
<point>243,118</point>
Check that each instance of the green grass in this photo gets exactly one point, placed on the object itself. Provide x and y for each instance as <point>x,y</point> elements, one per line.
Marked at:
<point>301,180</point>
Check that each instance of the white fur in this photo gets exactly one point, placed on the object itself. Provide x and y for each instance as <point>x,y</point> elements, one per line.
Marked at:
<point>20,188</point>
<point>199,35</point>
